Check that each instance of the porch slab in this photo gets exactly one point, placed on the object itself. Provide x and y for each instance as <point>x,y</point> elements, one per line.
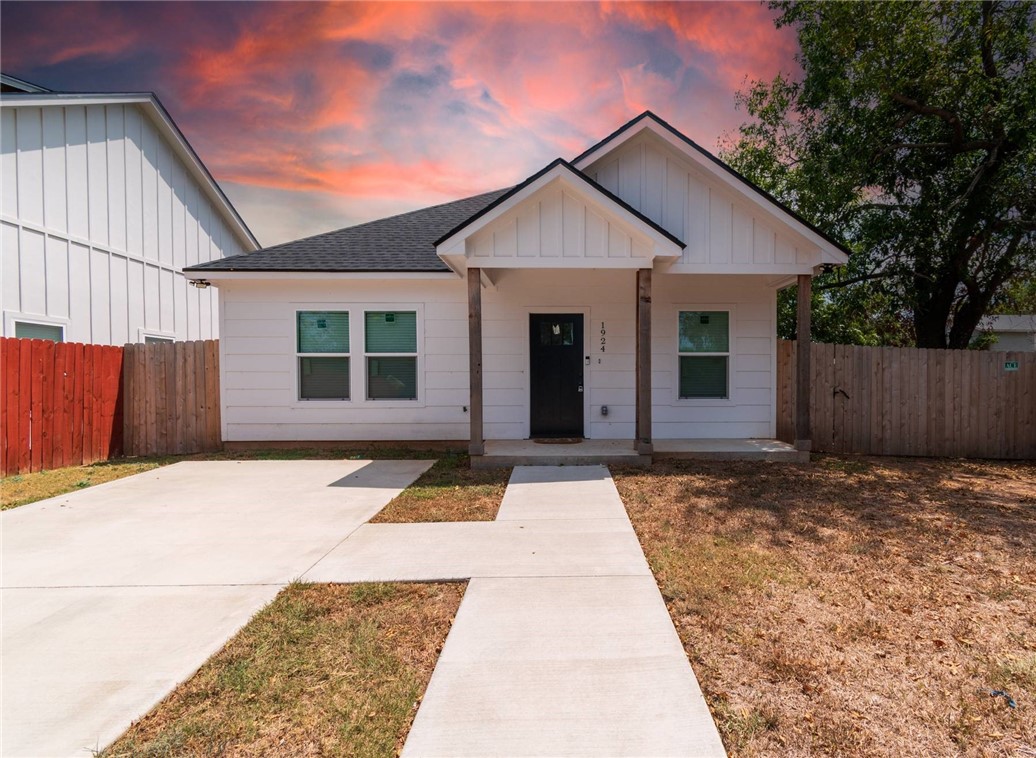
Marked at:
<point>729,450</point>
<point>507,453</point>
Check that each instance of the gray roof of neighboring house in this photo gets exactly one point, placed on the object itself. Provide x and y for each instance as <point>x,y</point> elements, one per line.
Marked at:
<point>1016,323</point>
<point>399,243</point>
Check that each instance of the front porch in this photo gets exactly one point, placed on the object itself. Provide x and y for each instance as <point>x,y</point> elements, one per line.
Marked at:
<point>505,453</point>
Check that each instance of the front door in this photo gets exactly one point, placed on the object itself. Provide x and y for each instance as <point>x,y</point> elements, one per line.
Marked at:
<point>556,374</point>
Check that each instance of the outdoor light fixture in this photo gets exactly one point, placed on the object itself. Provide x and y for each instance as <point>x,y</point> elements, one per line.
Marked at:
<point>200,283</point>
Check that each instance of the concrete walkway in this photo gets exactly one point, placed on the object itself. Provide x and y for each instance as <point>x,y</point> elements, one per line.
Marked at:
<point>562,645</point>
<point>115,594</point>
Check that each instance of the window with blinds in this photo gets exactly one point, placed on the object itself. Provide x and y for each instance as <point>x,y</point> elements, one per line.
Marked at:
<point>29,331</point>
<point>322,343</point>
<point>390,346</point>
<point>704,354</point>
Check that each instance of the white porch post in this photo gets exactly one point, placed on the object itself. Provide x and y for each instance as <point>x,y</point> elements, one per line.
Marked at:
<point>477,444</point>
<point>643,416</point>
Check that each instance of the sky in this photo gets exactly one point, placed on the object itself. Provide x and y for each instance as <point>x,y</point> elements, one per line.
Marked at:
<point>314,116</point>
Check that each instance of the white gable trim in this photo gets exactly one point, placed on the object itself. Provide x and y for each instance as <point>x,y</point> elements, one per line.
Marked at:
<point>456,253</point>
<point>161,119</point>
<point>829,252</point>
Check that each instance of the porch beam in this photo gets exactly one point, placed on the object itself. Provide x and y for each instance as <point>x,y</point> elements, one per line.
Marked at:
<point>643,417</point>
<point>477,444</point>
<point>803,441</point>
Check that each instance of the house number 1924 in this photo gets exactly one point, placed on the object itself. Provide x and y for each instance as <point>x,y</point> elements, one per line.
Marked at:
<point>604,337</point>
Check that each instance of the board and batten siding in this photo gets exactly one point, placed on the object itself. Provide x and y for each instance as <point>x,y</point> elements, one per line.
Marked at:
<point>555,227</point>
<point>259,380</point>
<point>99,216</point>
<point>720,230</point>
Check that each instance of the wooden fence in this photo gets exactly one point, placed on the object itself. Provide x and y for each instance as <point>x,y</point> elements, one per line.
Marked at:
<point>60,405</point>
<point>905,401</point>
<point>66,404</point>
<point>172,398</point>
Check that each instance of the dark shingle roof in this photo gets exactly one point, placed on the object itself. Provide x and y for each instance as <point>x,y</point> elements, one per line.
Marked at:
<point>399,243</point>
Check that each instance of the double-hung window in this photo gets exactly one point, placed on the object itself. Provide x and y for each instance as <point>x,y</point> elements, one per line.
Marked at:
<point>390,342</point>
<point>322,342</point>
<point>704,354</point>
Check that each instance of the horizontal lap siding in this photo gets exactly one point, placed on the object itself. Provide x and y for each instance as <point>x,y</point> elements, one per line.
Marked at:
<point>750,410</point>
<point>99,218</point>
<point>259,360</point>
<point>260,395</point>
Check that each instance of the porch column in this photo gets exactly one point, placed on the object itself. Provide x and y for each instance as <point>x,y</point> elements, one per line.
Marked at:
<point>802,370</point>
<point>477,444</point>
<point>643,418</point>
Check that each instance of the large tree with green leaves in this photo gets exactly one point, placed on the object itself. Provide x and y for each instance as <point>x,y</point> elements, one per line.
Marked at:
<point>911,133</point>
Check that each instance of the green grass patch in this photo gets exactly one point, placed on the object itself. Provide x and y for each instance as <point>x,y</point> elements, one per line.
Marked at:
<point>335,670</point>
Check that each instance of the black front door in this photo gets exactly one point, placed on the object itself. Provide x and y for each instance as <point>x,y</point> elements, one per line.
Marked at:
<point>556,374</point>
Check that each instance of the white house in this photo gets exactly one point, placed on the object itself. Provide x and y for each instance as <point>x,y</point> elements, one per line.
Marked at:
<point>1012,332</point>
<point>627,295</point>
<point>102,204</point>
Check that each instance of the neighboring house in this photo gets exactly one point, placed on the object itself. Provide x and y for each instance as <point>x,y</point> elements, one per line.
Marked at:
<point>628,294</point>
<point>1012,332</point>
<point>103,202</point>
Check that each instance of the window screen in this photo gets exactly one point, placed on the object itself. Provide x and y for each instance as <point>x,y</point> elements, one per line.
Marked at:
<point>390,338</point>
<point>391,332</point>
<point>30,331</point>
<point>704,354</point>
<point>323,331</point>
<point>323,347</point>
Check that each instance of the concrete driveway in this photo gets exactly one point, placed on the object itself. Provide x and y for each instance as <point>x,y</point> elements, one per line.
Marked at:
<point>113,595</point>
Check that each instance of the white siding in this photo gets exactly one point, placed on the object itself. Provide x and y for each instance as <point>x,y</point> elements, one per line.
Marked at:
<point>258,352</point>
<point>557,228</point>
<point>99,217</point>
<point>721,231</point>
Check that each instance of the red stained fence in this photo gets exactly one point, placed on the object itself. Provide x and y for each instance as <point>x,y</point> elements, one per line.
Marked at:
<point>60,404</point>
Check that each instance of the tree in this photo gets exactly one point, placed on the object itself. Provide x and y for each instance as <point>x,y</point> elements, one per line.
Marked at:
<point>911,136</point>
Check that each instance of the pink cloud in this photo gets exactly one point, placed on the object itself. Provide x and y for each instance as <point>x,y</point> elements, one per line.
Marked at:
<point>388,103</point>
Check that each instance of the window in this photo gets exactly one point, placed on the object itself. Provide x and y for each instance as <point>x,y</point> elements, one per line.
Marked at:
<point>322,339</point>
<point>391,352</point>
<point>32,331</point>
<point>704,354</point>
<point>153,340</point>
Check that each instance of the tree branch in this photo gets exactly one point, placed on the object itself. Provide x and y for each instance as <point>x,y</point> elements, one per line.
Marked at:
<point>931,110</point>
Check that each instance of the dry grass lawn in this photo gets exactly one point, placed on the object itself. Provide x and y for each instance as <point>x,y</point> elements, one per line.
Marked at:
<point>21,489</point>
<point>448,491</point>
<point>857,606</point>
<point>324,670</point>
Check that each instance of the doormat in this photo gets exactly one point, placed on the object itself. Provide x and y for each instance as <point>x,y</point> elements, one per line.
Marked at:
<point>558,440</point>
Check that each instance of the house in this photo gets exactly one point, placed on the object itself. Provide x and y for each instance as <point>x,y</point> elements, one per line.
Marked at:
<point>1012,332</point>
<point>103,203</point>
<point>628,295</point>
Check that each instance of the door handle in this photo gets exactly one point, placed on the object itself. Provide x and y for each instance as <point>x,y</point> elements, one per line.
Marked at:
<point>580,388</point>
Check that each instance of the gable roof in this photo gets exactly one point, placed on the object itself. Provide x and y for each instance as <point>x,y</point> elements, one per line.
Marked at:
<point>569,170</point>
<point>399,243</point>
<point>637,124</point>
<point>161,119</point>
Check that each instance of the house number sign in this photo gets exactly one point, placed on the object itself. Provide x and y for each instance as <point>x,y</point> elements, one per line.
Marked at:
<point>604,338</point>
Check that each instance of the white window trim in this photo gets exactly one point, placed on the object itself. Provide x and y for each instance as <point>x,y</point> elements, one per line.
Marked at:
<point>142,333</point>
<point>11,317</point>
<point>299,401</point>
<point>729,400</point>
<point>357,376</point>
<point>416,355</point>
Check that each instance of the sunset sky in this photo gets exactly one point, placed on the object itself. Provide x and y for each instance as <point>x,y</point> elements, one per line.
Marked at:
<point>314,116</point>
